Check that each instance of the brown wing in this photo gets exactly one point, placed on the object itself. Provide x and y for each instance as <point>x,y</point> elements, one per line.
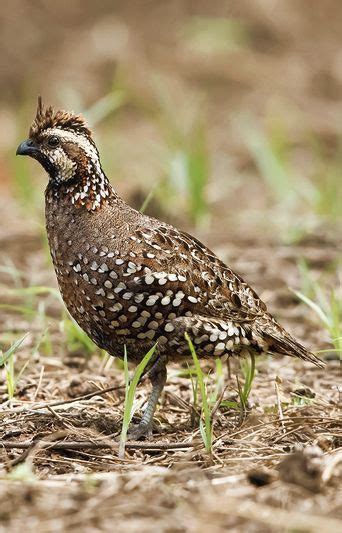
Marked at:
<point>212,288</point>
<point>215,305</point>
<point>183,287</point>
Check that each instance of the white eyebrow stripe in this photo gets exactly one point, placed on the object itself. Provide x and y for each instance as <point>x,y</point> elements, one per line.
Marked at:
<point>79,139</point>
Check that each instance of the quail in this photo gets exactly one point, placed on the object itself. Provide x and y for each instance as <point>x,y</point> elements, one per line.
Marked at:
<point>131,281</point>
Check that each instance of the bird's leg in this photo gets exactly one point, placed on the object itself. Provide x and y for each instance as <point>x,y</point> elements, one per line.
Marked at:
<point>157,376</point>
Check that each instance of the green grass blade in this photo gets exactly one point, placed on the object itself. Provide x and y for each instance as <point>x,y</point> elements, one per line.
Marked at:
<point>105,106</point>
<point>130,394</point>
<point>248,370</point>
<point>206,427</point>
<point>7,360</point>
<point>12,350</point>
<point>314,307</point>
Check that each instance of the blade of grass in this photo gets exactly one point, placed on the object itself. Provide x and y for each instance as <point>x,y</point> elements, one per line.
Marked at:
<point>314,306</point>
<point>206,425</point>
<point>105,106</point>
<point>148,198</point>
<point>12,350</point>
<point>130,394</point>
<point>329,310</point>
<point>194,386</point>
<point>248,371</point>
<point>7,360</point>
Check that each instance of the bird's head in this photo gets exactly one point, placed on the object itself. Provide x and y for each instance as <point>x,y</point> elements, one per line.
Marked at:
<point>63,145</point>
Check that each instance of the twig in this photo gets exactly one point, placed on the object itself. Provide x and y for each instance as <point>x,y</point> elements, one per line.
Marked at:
<point>280,411</point>
<point>287,433</point>
<point>20,459</point>
<point>29,452</point>
<point>58,416</point>
<point>63,402</point>
<point>321,419</point>
<point>182,403</point>
<point>79,445</point>
<point>218,402</point>
<point>39,382</point>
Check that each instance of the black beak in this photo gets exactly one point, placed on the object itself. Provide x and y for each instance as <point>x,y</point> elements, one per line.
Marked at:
<point>27,148</point>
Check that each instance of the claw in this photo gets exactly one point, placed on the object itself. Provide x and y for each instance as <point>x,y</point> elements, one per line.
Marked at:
<point>139,431</point>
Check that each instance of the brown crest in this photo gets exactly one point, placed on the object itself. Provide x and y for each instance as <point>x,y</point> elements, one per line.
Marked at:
<point>49,118</point>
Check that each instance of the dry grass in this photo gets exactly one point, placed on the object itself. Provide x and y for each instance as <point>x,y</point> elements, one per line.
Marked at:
<point>70,453</point>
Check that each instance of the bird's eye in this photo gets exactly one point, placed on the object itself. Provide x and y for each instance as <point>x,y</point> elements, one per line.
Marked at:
<point>53,141</point>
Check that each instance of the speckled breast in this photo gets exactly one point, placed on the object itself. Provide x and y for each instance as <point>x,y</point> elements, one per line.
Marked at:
<point>126,281</point>
<point>104,284</point>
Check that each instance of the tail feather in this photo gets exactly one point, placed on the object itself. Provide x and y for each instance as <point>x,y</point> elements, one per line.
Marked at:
<point>281,342</point>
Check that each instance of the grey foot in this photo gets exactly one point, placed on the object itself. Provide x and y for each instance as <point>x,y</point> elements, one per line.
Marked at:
<point>139,431</point>
<point>157,375</point>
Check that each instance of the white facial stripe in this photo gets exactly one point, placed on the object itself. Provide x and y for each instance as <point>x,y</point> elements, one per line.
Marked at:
<point>77,138</point>
<point>92,188</point>
<point>58,156</point>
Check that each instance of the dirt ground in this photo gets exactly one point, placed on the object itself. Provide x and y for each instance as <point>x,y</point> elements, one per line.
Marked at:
<point>276,467</point>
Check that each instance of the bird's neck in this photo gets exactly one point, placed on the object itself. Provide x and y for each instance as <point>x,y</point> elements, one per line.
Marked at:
<point>88,190</point>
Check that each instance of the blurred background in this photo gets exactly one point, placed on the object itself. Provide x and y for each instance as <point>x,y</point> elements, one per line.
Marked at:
<point>226,110</point>
<point>221,117</point>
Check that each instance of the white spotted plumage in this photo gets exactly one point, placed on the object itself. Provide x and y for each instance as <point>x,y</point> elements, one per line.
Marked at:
<point>131,281</point>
